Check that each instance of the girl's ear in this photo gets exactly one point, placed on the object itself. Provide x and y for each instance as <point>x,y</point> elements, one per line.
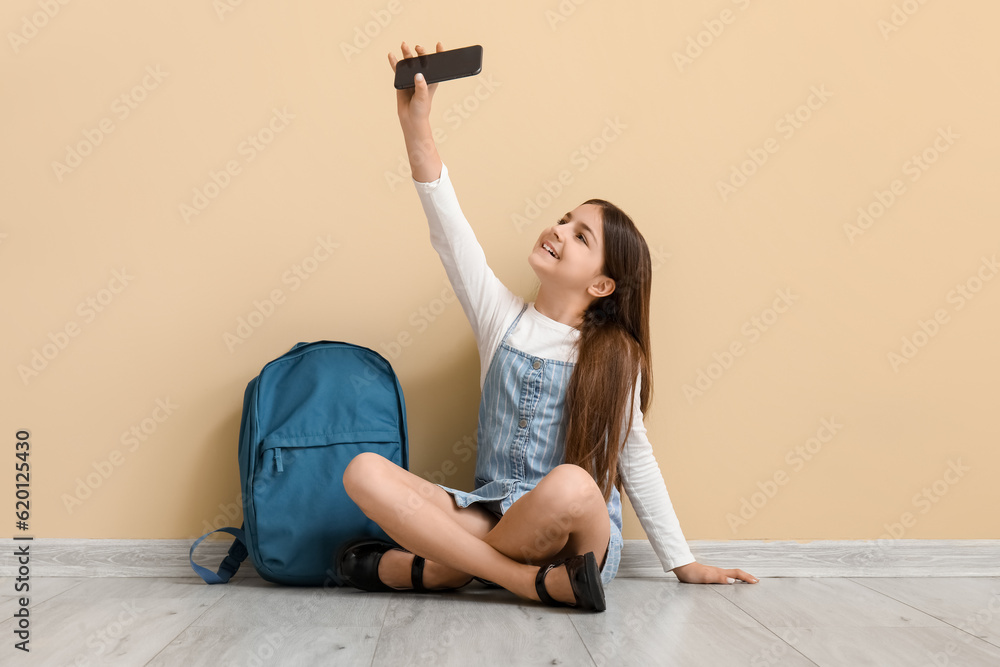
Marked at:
<point>602,286</point>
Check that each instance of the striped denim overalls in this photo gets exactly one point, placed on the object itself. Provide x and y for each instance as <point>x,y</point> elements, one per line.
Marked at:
<point>522,436</point>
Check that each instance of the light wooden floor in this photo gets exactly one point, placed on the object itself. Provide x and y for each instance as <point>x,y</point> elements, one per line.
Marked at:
<point>780,621</point>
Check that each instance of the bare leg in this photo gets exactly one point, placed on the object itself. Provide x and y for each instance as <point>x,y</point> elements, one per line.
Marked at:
<point>563,515</point>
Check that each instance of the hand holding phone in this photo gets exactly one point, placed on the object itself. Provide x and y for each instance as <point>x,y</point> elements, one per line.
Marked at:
<point>440,66</point>
<point>413,104</point>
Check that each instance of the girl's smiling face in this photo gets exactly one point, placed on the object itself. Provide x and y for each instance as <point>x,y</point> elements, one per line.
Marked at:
<point>570,254</point>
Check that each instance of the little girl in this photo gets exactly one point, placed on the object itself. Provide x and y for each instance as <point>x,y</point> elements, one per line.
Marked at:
<point>565,380</point>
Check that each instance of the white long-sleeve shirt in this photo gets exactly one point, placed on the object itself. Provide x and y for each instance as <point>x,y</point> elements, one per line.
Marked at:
<point>491,307</point>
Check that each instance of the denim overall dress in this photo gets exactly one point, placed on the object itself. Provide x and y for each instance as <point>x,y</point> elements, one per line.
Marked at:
<point>522,436</point>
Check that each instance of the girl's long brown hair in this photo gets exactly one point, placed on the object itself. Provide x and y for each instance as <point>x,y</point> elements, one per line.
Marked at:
<point>613,346</point>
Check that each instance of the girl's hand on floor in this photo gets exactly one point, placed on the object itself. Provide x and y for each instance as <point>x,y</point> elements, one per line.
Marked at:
<point>413,105</point>
<point>696,573</point>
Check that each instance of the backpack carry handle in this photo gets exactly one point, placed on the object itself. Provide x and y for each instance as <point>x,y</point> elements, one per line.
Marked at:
<point>229,565</point>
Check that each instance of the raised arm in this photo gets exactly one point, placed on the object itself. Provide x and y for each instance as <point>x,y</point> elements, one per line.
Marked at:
<point>413,106</point>
<point>486,301</point>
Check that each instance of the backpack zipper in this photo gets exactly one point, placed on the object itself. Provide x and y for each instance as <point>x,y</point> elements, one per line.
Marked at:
<point>277,459</point>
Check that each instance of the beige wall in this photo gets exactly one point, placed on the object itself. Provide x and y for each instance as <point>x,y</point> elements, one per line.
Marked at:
<point>841,98</point>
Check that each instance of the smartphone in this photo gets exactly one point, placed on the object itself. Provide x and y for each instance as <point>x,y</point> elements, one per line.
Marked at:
<point>440,66</point>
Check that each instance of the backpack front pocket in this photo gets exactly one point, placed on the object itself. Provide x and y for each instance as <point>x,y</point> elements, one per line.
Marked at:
<point>302,511</point>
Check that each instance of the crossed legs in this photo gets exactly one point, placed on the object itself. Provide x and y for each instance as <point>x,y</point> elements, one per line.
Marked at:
<point>565,514</point>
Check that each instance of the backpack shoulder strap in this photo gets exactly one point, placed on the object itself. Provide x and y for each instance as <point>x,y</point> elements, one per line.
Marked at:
<point>229,565</point>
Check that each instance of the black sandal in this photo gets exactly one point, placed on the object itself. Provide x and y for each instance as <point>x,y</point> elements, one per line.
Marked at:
<point>356,564</point>
<point>584,577</point>
<point>417,577</point>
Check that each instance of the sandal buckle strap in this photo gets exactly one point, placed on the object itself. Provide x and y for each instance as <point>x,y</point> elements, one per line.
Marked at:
<point>417,574</point>
<point>543,594</point>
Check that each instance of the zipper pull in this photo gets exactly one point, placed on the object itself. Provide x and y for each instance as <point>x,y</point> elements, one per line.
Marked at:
<point>277,459</point>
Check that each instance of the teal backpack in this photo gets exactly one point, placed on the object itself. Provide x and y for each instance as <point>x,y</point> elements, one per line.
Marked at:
<point>305,416</point>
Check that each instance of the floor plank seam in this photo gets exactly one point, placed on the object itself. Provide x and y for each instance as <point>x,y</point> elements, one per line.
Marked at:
<point>828,558</point>
<point>381,628</point>
<point>184,629</point>
<point>579,635</point>
<point>822,620</point>
<point>761,623</point>
<point>928,613</point>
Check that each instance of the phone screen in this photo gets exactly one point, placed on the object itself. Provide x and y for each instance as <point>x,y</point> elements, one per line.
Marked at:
<point>443,66</point>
